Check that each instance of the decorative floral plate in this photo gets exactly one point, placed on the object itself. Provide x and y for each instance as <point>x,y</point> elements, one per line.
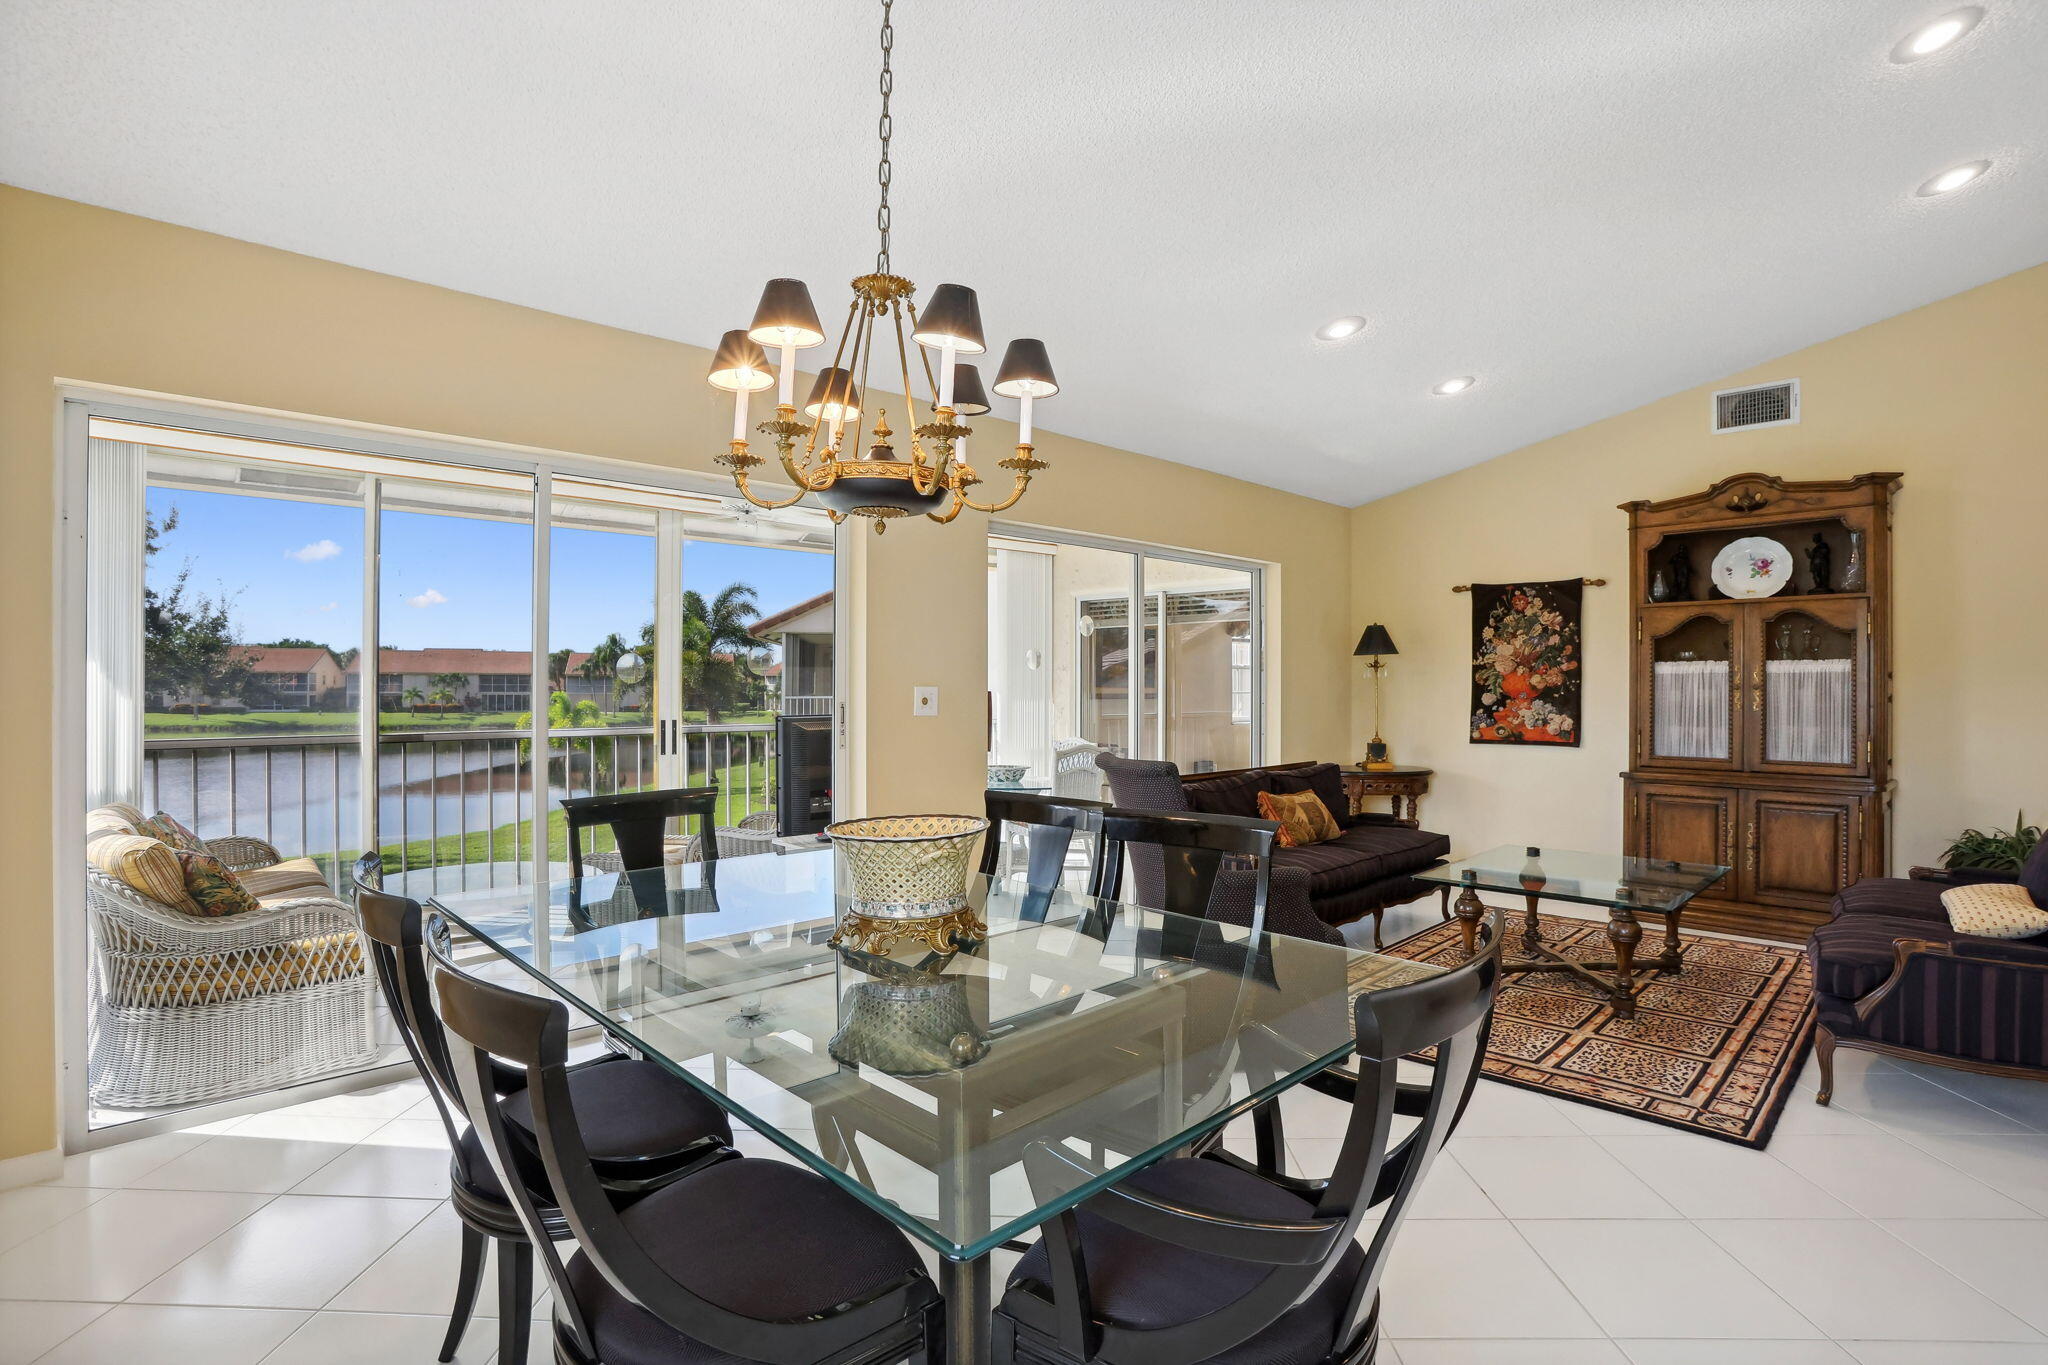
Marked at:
<point>1755,566</point>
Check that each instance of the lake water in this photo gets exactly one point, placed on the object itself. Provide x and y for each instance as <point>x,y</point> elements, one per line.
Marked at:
<point>301,795</point>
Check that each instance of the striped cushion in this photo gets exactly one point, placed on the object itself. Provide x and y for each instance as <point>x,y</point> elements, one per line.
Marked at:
<point>116,818</point>
<point>145,865</point>
<point>292,879</point>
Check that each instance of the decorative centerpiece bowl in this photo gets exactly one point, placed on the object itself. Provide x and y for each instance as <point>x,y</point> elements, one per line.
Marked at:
<point>907,878</point>
<point>1005,774</point>
<point>920,1025</point>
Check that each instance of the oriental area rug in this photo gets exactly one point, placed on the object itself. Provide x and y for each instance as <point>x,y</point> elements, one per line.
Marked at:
<point>1713,1048</point>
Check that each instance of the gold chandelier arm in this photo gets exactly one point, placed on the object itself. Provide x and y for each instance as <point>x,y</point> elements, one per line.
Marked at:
<point>1024,464</point>
<point>959,501</point>
<point>739,479</point>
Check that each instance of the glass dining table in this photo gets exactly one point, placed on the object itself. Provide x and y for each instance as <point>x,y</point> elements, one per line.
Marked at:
<point>922,1083</point>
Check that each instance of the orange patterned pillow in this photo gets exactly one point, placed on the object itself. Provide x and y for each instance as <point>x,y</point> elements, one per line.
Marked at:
<point>1302,816</point>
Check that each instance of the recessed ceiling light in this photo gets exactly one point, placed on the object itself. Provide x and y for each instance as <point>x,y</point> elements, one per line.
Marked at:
<point>1451,386</point>
<point>1337,329</point>
<point>1929,39</point>
<point>1954,178</point>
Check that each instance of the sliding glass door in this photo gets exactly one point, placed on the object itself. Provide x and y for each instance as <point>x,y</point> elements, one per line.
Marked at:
<point>1097,648</point>
<point>304,652</point>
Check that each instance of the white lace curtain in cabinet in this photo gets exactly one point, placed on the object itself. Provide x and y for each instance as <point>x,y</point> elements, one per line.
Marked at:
<point>1689,717</point>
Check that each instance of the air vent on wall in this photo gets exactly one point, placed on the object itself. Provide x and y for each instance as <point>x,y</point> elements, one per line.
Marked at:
<point>1765,405</point>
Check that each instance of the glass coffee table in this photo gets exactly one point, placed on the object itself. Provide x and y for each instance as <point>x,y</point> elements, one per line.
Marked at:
<point>1626,887</point>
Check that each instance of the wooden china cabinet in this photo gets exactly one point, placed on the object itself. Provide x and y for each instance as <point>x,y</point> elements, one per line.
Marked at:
<point>1759,732</point>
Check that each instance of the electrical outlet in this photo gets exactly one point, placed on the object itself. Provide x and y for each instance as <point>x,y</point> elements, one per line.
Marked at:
<point>924,701</point>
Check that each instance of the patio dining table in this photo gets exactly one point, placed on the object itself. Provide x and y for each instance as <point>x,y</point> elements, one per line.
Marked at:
<point>921,1082</point>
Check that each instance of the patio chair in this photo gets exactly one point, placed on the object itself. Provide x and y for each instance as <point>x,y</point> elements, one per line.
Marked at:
<point>184,1008</point>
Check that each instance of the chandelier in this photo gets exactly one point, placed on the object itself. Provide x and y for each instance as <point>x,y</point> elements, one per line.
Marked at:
<point>878,483</point>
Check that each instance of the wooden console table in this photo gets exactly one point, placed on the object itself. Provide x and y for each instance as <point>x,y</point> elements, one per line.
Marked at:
<point>1403,787</point>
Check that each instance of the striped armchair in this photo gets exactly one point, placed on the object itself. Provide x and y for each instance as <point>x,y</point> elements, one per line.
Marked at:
<point>1891,975</point>
<point>186,1007</point>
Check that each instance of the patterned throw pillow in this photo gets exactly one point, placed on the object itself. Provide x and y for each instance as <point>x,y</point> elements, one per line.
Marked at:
<point>172,831</point>
<point>1994,910</point>
<point>1302,816</point>
<point>212,888</point>
<point>145,865</point>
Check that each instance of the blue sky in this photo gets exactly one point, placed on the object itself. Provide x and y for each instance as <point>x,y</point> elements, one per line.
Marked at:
<point>296,569</point>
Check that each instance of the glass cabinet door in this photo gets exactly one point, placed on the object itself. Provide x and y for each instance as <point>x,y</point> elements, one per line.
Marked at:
<point>1693,664</point>
<point>1807,685</point>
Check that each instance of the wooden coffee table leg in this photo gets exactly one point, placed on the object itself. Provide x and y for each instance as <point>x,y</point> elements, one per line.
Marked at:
<point>1532,929</point>
<point>1445,903</point>
<point>1469,910</point>
<point>1624,933</point>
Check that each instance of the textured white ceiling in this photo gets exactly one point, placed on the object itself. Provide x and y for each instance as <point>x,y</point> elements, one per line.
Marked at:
<point>1588,205</point>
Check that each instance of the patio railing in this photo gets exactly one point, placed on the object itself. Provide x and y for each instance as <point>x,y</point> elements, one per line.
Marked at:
<point>443,797</point>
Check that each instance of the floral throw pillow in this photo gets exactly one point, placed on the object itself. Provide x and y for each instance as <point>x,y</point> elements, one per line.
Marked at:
<point>173,831</point>
<point>212,888</point>
<point>1302,817</point>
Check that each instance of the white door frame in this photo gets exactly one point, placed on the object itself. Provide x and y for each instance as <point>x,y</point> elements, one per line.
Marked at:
<point>73,408</point>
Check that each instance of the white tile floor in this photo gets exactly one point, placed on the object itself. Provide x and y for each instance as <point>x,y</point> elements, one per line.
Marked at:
<point>1905,1225</point>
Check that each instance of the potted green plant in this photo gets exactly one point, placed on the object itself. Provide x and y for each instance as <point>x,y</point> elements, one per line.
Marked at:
<point>2002,849</point>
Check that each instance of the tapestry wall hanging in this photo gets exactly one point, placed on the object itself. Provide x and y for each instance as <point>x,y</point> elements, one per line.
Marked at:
<point>1525,662</point>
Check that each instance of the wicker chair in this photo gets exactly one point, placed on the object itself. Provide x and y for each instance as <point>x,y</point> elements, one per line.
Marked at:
<point>185,1009</point>
<point>1073,768</point>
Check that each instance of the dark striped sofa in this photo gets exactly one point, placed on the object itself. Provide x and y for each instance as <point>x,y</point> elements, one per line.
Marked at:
<point>1890,975</point>
<point>1366,868</point>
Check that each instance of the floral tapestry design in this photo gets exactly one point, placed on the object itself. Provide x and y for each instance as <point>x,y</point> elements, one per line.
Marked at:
<point>1525,663</point>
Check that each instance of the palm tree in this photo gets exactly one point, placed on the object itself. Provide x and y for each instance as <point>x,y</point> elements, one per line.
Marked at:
<point>604,663</point>
<point>412,698</point>
<point>723,632</point>
<point>558,670</point>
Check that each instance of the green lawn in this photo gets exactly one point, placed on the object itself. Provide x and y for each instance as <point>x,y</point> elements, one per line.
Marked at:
<point>508,842</point>
<point>165,724</point>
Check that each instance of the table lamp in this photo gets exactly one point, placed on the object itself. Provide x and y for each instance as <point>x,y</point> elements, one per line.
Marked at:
<point>1372,645</point>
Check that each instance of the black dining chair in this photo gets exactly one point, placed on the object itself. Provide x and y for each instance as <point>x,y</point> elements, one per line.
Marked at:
<point>639,824</point>
<point>750,1260</point>
<point>647,1127</point>
<point>1196,1259</point>
<point>1047,827</point>
<point>1216,867</point>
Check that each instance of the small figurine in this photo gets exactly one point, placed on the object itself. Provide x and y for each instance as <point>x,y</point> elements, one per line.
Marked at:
<point>1660,591</point>
<point>1679,566</point>
<point>1820,563</point>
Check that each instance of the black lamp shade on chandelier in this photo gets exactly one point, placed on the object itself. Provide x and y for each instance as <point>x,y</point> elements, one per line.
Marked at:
<point>832,396</point>
<point>1375,642</point>
<point>970,399</point>
<point>953,315</point>
<point>740,366</point>
<point>1026,371</point>
<point>785,316</point>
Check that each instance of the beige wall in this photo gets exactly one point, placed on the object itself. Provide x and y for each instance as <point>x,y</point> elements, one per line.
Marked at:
<point>1954,394</point>
<point>104,298</point>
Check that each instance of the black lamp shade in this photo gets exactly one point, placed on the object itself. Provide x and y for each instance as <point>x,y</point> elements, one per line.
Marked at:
<point>833,397</point>
<point>970,399</point>
<point>954,314</point>
<point>785,316</point>
<point>1375,641</point>
<point>1026,372</point>
<point>740,364</point>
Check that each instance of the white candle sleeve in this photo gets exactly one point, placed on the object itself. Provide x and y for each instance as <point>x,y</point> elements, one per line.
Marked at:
<point>946,357</point>
<point>1024,420</point>
<point>785,394</point>
<point>739,414</point>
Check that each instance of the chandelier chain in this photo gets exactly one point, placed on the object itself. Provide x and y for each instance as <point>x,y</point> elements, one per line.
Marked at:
<point>885,126</point>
